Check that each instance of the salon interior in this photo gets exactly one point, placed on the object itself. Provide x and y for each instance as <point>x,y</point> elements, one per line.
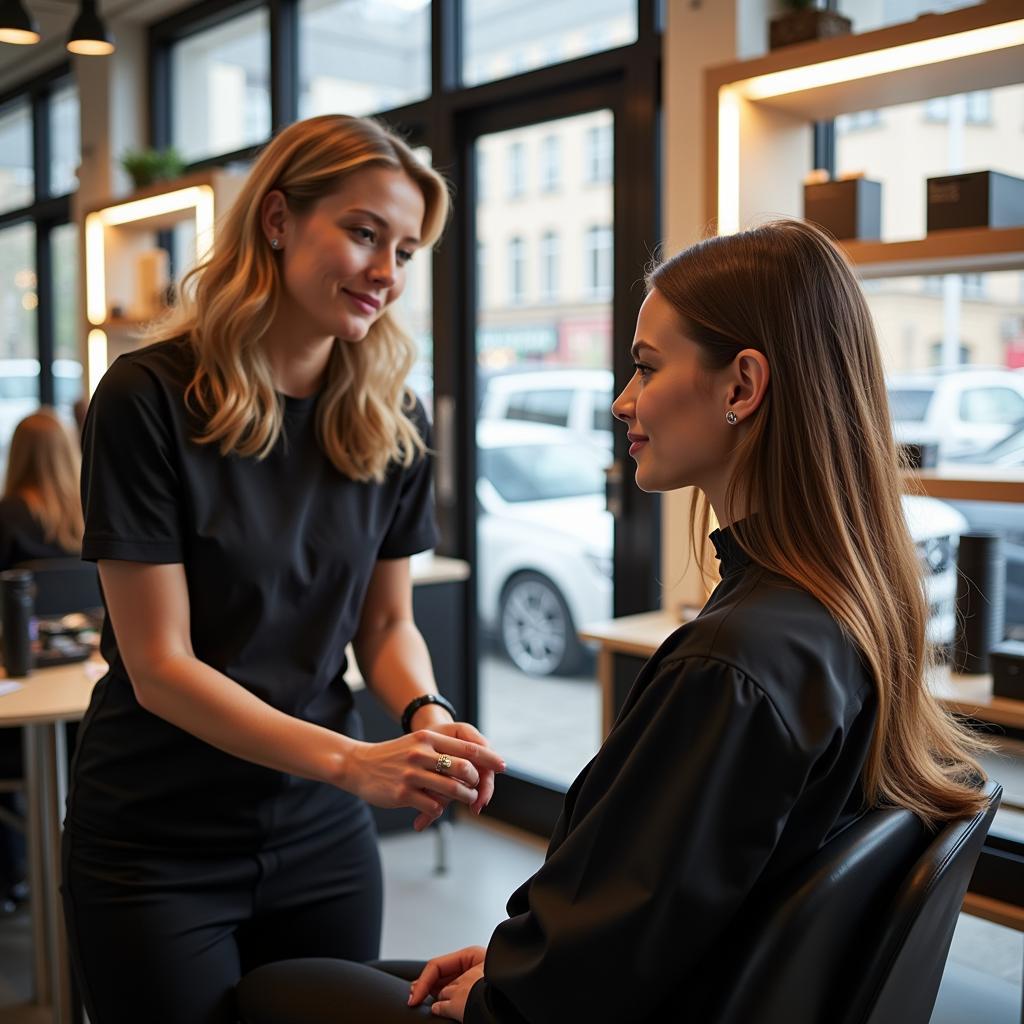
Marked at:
<point>581,139</point>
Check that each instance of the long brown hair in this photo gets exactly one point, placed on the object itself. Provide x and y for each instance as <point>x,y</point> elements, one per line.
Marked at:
<point>820,467</point>
<point>43,467</point>
<point>230,298</point>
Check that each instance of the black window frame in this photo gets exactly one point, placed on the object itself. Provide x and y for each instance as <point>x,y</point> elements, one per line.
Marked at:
<point>46,211</point>
<point>448,121</point>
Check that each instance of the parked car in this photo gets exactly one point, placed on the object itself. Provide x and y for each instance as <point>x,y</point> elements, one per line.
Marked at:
<point>544,544</point>
<point>580,400</point>
<point>544,541</point>
<point>964,410</point>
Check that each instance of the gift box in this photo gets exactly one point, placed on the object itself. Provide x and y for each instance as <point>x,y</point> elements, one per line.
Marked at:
<point>846,209</point>
<point>982,199</point>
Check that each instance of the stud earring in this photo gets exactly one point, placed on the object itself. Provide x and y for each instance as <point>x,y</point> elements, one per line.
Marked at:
<point>731,418</point>
<point>275,243</point>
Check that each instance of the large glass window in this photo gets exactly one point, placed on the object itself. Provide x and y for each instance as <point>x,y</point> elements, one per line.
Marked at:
<point>65,139</point>
<point>544,535</point>
<point>221,87</point>
<point>508,37</point>
<point>361,56</point>
<point>17,179</point>
<point>19,365</point>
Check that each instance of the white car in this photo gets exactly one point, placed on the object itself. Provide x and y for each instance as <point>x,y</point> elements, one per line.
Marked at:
<point>544,541</point>
<point>544,545</point>
<point>580,400</point>
<point>963,410</point>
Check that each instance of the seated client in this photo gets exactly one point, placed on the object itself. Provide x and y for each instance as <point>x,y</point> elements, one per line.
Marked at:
<point>794,701</point>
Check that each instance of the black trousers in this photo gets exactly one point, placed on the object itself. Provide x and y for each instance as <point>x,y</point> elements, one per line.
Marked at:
<point>165,937</point>
<point>331,992</point>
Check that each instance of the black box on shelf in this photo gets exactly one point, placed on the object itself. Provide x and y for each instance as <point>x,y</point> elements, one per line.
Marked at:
<point>981,199</point>
<point>1007,661</point>
<point>851,208</point>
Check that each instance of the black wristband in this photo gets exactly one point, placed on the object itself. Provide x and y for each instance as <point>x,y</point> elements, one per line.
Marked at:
<point>414,705</point>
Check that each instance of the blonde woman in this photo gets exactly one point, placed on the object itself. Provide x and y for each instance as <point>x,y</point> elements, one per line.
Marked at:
<point>41,511</point>
<point>254,484</point>
<point>793,702</point>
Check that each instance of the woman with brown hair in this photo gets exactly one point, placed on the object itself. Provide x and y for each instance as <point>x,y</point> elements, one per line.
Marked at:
<point>41,510</point>
<point>794,701</point>
<point>254,483</point>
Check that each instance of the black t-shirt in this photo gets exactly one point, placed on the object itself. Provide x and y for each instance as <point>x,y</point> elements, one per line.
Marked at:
<point>278,554</point>
<point>21,535</point>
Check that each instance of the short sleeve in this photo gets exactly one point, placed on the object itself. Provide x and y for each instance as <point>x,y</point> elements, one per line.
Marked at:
<point>676,819</point>
<point>130,470</point>
<point>413,526</point>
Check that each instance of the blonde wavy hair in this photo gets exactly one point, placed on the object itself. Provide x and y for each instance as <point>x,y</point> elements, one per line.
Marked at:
<point>228,301</point>
<point>43,467</point>
<point>820,467</point>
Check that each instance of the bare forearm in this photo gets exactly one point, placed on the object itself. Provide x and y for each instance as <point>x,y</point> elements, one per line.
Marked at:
<point>197,698</point>
<point>396,665</point>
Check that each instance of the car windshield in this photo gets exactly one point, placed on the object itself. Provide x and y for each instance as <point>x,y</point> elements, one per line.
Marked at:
<point>533,472</point>
<point>909,403</point>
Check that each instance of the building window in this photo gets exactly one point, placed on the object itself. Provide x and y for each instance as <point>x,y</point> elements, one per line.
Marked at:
<point>516,170</point>
<point>516,270</point>
<point>598,168</point>
<point>362,56</point>
<point>977,108</point>
<point>597,249</point>
<point>550,163</point>
<point>550,257</point>
<point>858,121</point>
<point>221,87</point>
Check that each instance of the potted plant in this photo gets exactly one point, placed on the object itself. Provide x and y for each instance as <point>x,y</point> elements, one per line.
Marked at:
<point>803,20</point>
<point>146,166</point>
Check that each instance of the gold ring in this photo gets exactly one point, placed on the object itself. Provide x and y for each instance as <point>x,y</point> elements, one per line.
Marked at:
<point>444,762</point>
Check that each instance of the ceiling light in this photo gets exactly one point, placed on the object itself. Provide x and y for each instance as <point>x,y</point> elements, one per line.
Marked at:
<point>16,24</point>
<point>89,34</point>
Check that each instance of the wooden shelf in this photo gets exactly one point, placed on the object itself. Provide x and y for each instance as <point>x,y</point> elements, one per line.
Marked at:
<point>967,483</point>
<point>989,70</point>
<point>964,251</point>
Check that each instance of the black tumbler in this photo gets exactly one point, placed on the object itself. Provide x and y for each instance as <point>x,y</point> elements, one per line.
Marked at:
<point>16,598</point>
<point>980,600</point>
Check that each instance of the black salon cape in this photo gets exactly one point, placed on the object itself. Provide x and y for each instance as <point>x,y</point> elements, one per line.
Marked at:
<point>737,753</point>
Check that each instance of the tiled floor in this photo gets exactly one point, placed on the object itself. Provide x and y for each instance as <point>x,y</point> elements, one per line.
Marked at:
<point>425,914</point>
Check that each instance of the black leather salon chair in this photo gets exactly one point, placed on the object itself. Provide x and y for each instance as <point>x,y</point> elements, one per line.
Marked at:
<point>859,935</point>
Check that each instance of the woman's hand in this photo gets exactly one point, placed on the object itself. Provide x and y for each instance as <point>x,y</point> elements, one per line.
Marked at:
<point>402,772</point>
<point>448,979</point>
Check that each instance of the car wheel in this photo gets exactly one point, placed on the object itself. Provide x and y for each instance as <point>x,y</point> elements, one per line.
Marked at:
<point>535,626</point>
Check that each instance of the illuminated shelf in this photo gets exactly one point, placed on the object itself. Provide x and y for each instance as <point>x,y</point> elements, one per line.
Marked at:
<point>759,113</point>
<point>119,232</point>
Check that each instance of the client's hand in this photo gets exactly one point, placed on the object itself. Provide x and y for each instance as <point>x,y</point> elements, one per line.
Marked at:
<point>448,979</point>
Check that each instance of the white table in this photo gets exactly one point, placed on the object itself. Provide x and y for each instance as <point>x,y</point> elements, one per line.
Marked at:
<point>47,700</point>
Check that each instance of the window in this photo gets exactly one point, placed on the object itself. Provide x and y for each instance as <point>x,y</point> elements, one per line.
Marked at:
<point>909,404</point>
<point>362,56</point>
<point>858,121</point>
<point>221,87</point>
<point>598,154</point>
<point>542,472</point>
<point>598,262</point>
<point>545,405</point>
<point>516,270</point>
<point>65,139</point>
<point>550,163</point>
<point>603,411</point>
<point>17,177</point>
<point>508,37</point>
<point>991,405</point>
<point>977,107</point>
<point>516,170</point>
<point>550,257</point>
